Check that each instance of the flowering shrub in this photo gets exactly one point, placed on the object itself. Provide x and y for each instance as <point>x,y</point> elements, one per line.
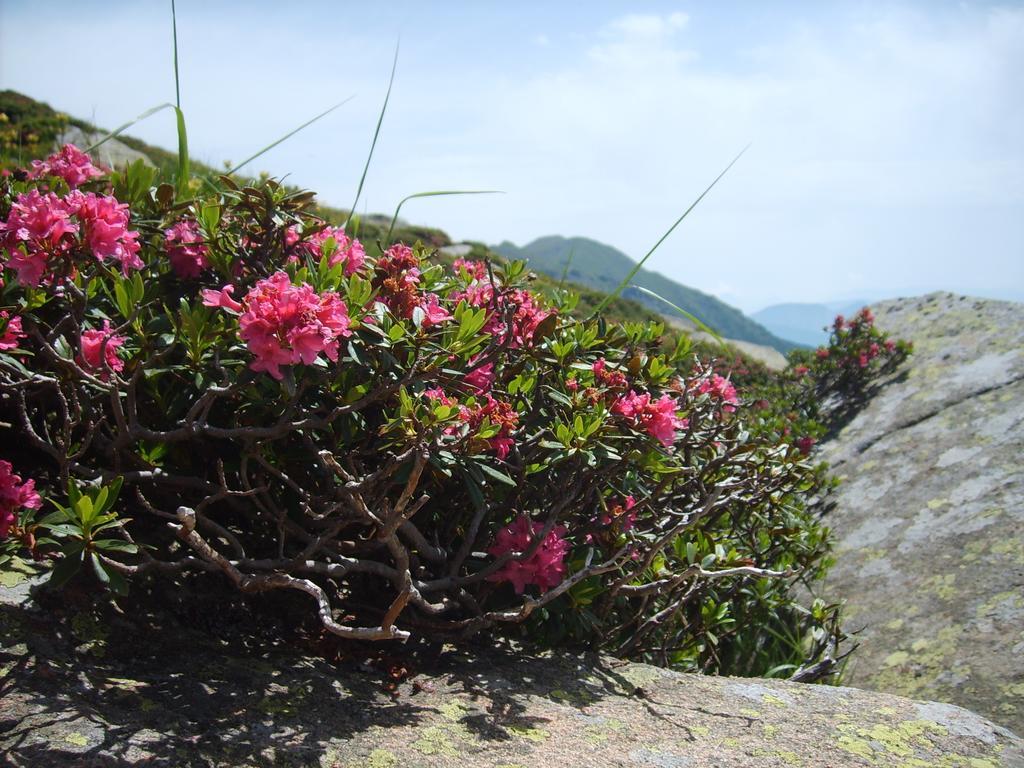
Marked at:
<point>418,449</point>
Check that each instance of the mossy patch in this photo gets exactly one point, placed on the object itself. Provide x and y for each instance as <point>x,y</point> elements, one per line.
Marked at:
<point>435,741</point>
<point>381,758</point>
<point>529,733</point>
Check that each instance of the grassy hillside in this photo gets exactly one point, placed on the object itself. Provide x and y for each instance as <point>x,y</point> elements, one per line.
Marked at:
<point>602,267</point>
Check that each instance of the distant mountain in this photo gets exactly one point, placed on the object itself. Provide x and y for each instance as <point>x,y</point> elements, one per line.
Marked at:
<point>602,267</point>
<point>804,323</point>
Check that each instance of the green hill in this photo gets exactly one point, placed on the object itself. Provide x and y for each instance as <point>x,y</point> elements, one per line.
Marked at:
<point>602,267</point>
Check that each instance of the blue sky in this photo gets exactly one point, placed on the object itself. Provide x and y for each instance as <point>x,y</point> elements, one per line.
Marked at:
<point>886,153</point>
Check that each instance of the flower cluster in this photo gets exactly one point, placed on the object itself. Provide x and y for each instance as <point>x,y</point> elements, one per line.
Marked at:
<point>397,276</point>
<point>658,417</point>
<point>105,229</point>
<point>346,251</point>
<point>185,248</point>
<point>721,389</point>
<point>545,568</point>
<point>476,270</point>
<point>606,377</point>
<point>284,324</point>
<point>14,495</point>
<point>40,230</point>
<point>495,419</point>
<point>99,351</point>
<point>10,331</point>
<point>69,163</point>
<point>513,320</point>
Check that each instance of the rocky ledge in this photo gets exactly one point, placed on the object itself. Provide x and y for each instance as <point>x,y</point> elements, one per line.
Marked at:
<point>88,692</point>
<point>930,521</point>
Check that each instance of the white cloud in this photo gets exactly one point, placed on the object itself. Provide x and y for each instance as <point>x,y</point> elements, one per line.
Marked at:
<point>892,144</point>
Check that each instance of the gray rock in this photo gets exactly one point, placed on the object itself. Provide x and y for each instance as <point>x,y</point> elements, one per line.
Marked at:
<point>930,521</point>
<point>81,691</point>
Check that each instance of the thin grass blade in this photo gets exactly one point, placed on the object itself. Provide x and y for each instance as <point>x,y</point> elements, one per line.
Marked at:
<point>183,170</point>
<point>288,135</point>
<point>639,265</point>
<point>394,218</point>
<point>568,263</point>
<point>118,131</point>
<point>701,325</point>
<point>376,133</point>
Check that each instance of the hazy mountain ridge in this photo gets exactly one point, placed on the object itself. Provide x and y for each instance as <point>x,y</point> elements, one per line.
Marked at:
<point>804,323</point>
<point>603,267</point>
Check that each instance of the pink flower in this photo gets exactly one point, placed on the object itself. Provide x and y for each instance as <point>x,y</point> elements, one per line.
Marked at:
<point>11,331</point>
<point>69,163</point>
<point>222,299</point>
<point>284,324</point>
<point>606,377</point>
<point>99,351</point>
<point>396,276</point>
<point>347,251</point>
<point>476,270</point>
<point>804,444</point>
<point>800,371</point>
<point>821,353</point>
<point>485,412</point>
<point>481,378</point>
<point>14,495</point>
<point>185,249</point>
<point>545,567</point>
<point>658,417</point>
<point>890,345</point>
<point>437,395</point>
<point>433,312</point>
<point>38,228</point>
<point>572,385</point>
<point>720,388</point>
<point>105,229</point>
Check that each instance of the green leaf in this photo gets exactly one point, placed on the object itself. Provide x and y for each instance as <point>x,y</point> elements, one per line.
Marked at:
<point>501,477</point>
<point>115,545</point>
<point>64,570</point>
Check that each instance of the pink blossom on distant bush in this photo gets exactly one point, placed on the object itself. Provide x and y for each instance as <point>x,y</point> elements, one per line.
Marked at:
<point>283,324</point>
<point>658,417</point>
<point>105,230</point>
<point>185,249</point>
<point>14,495</point>
<point>545,567</point>
<point>804,444</point>
<point>97,356</point>
<point>11,331</point>
<point>69,163</point>
<point>37,228</point>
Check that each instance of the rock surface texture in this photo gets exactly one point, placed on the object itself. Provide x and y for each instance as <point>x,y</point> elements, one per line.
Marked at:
<point>77,691</point>
<point>930,520</point>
